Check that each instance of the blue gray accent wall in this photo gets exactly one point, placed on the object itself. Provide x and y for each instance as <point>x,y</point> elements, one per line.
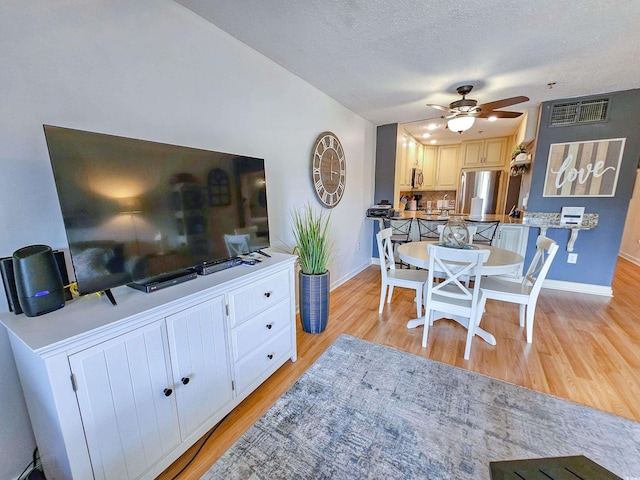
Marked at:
<point>597,249</point>
<point>386,144</point>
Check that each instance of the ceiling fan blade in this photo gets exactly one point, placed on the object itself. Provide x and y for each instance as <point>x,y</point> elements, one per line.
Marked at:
<point>498,114</point>
<point>505,102</point>
<point>440,107</point>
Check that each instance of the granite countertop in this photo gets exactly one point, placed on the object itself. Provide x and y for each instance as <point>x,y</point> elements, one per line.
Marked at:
<point>486,218</point>
<point>529,219</point>
<point>552,220</point>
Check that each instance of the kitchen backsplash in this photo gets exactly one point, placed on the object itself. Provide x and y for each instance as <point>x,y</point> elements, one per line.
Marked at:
<point>433,197</point>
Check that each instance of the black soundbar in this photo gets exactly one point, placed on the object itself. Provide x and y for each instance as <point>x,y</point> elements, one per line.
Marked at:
<point>164,281</point>
<point>217,265</point>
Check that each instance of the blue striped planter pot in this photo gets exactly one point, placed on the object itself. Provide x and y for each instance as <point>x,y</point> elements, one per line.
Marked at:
<point>314,301</point>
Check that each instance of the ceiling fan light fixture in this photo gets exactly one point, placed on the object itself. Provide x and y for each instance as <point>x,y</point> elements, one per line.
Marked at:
<point>460,124</point>
<point>492,118</point>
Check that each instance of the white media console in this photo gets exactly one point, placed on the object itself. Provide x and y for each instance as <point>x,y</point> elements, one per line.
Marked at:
<point>120,392</point>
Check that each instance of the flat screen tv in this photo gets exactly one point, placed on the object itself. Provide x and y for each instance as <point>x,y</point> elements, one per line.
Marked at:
<point>135,211</point>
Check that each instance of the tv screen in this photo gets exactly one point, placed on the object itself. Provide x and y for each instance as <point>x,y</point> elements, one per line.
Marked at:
<point>137,210</point>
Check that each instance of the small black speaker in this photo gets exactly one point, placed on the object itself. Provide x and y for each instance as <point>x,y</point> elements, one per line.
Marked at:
<point>39,284</point>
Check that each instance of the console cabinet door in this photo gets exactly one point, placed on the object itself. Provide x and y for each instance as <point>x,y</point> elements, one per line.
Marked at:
<point>128,412</point>
<point>199,363</point>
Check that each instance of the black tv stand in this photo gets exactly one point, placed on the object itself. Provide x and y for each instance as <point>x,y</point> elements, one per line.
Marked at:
<point>110,296</point>
<point>163,281</point>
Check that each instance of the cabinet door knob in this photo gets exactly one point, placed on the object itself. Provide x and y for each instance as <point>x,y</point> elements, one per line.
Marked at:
<point>184,380</point>
<point>270,356</point>
<point>267,294</point>
<point>269,326</point>
<point>167,392</point>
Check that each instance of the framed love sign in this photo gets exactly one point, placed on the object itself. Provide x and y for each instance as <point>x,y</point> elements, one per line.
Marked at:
<point>583,169</point>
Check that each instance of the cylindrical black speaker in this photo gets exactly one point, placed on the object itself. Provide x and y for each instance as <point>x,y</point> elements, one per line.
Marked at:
<point>38,280</point>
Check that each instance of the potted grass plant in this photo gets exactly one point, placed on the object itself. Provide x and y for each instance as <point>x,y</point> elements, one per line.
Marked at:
<point>310,232</point>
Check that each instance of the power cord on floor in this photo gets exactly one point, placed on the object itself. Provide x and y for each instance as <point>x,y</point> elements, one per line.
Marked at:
<point>33,471</point>
<point>200,447</point>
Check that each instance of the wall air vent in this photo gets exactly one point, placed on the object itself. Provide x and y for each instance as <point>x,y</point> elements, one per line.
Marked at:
<point>572,113</point>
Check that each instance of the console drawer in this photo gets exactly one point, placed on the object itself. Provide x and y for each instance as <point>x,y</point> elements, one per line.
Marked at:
<point>267,358</point>
<point>260,329</point>
<point>257,296</point>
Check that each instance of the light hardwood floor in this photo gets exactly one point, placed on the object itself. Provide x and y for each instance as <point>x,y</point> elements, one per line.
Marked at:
<point>585,348</point>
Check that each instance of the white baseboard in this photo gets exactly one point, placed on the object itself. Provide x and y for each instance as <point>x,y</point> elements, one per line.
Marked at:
<point>631,258</point>
<point>601,290</point>
<point>349,276</point>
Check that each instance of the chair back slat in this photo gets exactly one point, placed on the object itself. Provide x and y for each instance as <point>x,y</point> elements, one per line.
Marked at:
<point>546,250</point>
<point>454,266</point>
<point>385,251</point>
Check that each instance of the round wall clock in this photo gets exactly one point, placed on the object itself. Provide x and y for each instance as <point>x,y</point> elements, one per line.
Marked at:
<point>328,169</point>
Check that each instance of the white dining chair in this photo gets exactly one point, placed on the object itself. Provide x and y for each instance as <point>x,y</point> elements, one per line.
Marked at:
<point>237,244</point>
<point>451,295</point>
<point>401,233</point>
<point>392,277</point>
<point>524,293</point>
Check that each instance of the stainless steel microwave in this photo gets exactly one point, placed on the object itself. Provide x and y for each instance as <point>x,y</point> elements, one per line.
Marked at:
<point>417,178</point>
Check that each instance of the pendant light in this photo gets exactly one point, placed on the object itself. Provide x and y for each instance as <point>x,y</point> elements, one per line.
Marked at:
<point>460,124</point>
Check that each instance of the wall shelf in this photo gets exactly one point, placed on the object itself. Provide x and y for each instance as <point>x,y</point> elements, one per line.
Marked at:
<point>545,221</point>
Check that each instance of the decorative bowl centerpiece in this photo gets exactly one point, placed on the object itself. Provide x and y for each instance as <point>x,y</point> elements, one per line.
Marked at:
<point>455,233</point>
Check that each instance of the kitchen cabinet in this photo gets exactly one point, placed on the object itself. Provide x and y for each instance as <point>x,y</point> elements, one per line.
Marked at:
<point>514,238</point>
<point>447,168</point>
<point>403,174</point>
<point>429,159</point>
<point>120,392</point>
<point>491,152</point>
<point>409,157</point>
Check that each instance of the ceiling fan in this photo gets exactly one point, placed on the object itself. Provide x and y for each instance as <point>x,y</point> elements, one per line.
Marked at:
<point>462,113</point>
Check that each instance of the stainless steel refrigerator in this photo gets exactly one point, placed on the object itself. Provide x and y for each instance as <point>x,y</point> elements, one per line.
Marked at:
<point>484,184</point>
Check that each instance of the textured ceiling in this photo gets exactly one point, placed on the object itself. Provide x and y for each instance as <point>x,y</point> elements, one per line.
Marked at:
<point>385,59</point>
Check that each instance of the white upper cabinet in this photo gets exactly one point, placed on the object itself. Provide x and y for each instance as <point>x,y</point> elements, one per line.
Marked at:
<point>408,156</point>
<point>429,160</point>
<point>485,153</point>
<point>447,167</point>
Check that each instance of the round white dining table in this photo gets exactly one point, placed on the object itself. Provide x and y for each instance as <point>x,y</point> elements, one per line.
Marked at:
<point>500,262</point>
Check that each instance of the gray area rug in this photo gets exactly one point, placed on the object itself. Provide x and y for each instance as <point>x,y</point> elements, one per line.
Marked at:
<point>367,411</point>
